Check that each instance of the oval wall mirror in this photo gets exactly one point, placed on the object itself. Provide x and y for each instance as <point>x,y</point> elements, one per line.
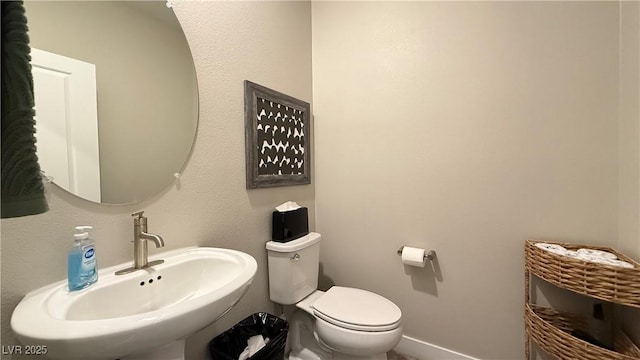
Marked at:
<point>116,96</point>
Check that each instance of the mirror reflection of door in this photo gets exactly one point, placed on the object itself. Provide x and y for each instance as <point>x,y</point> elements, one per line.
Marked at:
<point>146,90</point>
<point>67,122</point>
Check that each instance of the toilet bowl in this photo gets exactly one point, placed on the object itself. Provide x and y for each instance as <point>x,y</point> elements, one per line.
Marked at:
<point>342,323</point>
<point>354,321</point>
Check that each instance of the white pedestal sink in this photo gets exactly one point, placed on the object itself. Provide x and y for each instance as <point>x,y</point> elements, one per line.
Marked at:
<point>135,315</point>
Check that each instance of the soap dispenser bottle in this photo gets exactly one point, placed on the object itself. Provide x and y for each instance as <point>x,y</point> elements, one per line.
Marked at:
<point>82,261</point>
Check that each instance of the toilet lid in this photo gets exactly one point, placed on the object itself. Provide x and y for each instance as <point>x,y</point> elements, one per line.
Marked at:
<point>357,309</point>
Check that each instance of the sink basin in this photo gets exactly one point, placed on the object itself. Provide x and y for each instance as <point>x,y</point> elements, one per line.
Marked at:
<point>123,315</point>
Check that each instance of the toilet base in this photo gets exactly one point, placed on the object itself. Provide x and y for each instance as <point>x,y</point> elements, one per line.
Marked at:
<point>305,345</point>
<point>348,357</point>
<point>311,356</point>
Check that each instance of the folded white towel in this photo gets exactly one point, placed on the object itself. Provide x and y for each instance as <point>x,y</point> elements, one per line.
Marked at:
<point>597,253</point>
<point>553,248</point>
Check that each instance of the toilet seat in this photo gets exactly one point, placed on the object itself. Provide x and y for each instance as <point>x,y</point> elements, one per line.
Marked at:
<point>357,309</point>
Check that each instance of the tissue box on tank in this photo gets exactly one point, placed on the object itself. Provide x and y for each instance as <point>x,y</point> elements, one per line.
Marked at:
<point>290,225</point>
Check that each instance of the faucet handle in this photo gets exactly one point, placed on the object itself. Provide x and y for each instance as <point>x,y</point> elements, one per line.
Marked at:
<point>139,219</point>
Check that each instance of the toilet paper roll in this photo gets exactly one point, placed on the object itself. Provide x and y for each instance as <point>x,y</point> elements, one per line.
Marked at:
<point>413,256</point>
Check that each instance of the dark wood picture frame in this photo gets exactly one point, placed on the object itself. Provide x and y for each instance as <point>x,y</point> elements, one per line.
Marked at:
<point>277,138</point>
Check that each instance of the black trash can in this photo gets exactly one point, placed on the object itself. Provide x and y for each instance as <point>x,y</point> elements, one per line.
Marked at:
<point>231,343</point>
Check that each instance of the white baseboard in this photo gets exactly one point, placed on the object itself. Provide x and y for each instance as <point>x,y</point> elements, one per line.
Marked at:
<point>422,350</point>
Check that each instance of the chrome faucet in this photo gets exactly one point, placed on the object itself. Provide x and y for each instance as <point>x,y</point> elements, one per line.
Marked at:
<point>140,244</point>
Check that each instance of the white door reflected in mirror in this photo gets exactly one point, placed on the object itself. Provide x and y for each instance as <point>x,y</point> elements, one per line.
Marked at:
<point>147,96</point>
<point>67,122</point>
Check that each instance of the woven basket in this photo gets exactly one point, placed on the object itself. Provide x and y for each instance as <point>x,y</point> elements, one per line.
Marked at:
<point>600,281</point>
<point>624,345</point>
<point>551,330</point>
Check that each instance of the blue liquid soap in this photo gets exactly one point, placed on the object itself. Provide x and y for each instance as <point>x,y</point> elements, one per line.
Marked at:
<point>82,261</point>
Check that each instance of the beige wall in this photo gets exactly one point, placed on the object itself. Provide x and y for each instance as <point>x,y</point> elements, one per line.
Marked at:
<point>146,87</point>
<point>464,127</point>
<point>266,42</point>
<point>629,130</point>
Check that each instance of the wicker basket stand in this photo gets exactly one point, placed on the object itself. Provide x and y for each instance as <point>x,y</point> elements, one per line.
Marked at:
<point>551,329</point>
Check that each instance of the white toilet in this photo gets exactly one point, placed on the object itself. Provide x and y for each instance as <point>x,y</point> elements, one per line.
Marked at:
<point>340,324</point>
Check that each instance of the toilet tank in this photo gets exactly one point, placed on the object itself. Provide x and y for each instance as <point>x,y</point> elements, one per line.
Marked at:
<point>293,268</point>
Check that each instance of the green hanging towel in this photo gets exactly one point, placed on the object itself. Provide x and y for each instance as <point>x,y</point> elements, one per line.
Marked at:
<point>22,188</point>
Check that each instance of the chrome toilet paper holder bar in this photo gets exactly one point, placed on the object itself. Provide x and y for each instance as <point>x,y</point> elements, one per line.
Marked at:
<point>428,256</point>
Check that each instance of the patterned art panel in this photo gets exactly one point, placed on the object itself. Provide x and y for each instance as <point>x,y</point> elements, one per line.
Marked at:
<point>277,138</point>
<point>280,138</point>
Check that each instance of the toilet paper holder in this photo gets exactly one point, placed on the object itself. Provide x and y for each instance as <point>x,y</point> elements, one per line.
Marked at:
<point>428,256</point>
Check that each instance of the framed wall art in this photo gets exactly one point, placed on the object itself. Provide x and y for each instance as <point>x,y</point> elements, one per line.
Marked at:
<point>277,138</point>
